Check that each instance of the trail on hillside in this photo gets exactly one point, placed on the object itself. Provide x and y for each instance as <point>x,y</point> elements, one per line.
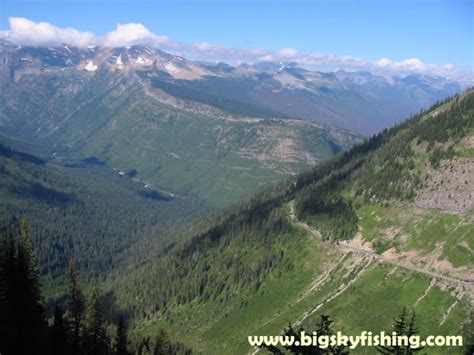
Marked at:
<point>348,247</point>
<point>367,257</point>
<point>363,264</point>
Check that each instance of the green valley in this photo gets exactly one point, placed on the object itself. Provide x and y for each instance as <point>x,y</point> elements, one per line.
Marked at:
<point>118,115</point>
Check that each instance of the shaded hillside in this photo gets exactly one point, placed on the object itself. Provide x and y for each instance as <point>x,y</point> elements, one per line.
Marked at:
<point>84,210</point>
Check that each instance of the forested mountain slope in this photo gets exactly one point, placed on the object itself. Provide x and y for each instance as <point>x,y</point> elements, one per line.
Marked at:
<point>382,226</point>
<point>112,104</point>
<point>83,210</point>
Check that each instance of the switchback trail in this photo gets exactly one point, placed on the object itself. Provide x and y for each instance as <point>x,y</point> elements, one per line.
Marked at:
<point>347,247</point>
<point>372,255</point>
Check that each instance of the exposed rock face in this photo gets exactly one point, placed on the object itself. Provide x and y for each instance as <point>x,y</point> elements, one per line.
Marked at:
<point>449,188</point>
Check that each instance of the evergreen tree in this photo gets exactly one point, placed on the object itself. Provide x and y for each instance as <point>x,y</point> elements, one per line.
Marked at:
<point>403,326</point>
<point>95,336</point>
<point>29,310</point>
<point>8,323</point>
<point>162,343</point>
<point>122,341</point>
<point>76,306</point>
<point>22,325</point>
<point>58,332</point>
<point>323,328</point>
<point>412,329</point>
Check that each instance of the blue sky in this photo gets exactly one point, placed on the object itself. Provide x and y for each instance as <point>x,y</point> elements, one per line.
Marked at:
<point>436,32</point>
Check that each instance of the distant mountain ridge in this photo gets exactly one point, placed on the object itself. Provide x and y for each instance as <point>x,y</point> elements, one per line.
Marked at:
<point>359,101</point>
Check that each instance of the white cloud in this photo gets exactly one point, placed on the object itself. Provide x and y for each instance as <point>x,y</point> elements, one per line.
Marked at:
<point>205,47</point>
<point>29,33</point>
<point>288,52</point>
<point>131,34</point>
<point>266,58</point>
<point>383,62</point>
<point>412,63</point>
<point>25,32</point>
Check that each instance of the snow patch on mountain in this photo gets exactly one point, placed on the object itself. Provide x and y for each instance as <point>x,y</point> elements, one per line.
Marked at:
<point>119,61</point>
<point>171,68</point>
<point>90,66</point>
<point>144,61</point>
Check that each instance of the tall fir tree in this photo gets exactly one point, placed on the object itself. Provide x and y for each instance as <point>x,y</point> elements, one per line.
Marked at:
<point>22,325</point>
<point>76,306</point>
<point>58,332</point>
<point>95,335</point>
<point>9,325</point>
<point>122,341</point>
<point>30,311</point>
<point>323,328</point>
<point>403,326</point>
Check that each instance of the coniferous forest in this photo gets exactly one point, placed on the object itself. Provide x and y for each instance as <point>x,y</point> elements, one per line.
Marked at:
<point>76,326</point>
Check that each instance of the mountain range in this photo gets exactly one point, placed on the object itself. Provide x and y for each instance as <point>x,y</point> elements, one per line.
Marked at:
<point>359,101</point>
<point>211,130</point>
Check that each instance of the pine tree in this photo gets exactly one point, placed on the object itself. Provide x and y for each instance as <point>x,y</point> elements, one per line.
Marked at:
<point>76,306</point>
<point>412,329</point>
<point>399,327</point>
<point>30,311</point>
<point>58,332</point>
<point>122,340</point>
<point>22,324</point>
<point>162,343</point>
<point>324,328</point>
<point>96,342</point>
<point>27,265</point>
<point>403,327</point>
<point>8,323</point>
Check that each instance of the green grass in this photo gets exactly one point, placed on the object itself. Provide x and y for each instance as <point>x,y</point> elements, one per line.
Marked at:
<point>376,298</point>
<point>422,230</point>
<point>213,327</point>
<point>372,218</point>
<point>370,303</point>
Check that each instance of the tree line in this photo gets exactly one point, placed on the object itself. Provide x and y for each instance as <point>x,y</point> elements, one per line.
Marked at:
<point>76,327</point>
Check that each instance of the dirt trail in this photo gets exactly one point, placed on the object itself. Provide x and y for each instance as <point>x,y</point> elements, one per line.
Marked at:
<point>368,256</point>
<point>432,283</point>
<point>446,314</point>
<point>365,263</point>
<point>348,247</point>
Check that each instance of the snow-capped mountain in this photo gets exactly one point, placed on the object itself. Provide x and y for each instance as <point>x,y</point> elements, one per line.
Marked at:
<point>359,101</point>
